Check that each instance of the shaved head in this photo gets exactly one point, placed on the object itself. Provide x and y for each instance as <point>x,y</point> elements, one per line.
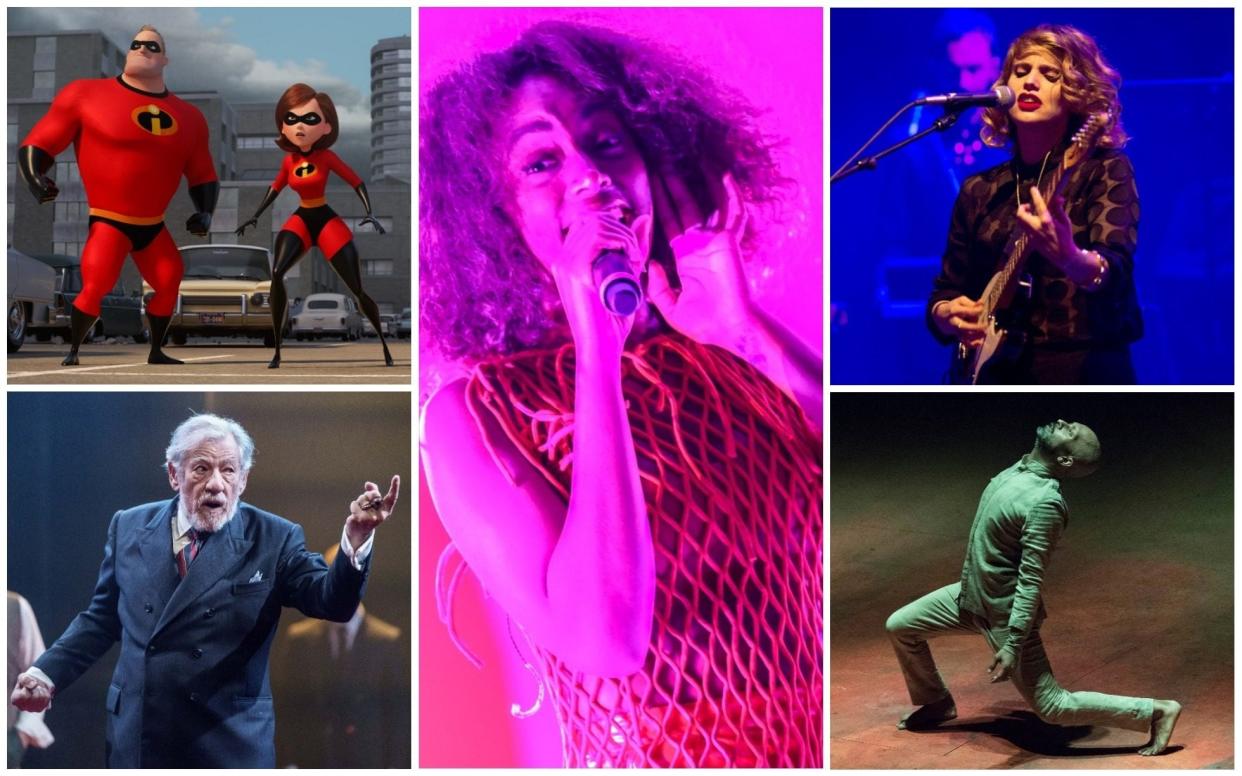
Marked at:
<point>1070,450</point>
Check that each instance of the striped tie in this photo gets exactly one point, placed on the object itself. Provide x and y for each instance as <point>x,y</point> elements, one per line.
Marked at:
<point>188,553</point>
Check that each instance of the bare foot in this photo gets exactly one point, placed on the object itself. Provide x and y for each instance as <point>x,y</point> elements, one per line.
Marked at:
<point>931,715</point>
<point>1164,717</point>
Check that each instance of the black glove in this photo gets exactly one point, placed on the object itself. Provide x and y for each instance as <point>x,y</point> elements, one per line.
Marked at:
<point>198,224</point>
<point>33,163</point>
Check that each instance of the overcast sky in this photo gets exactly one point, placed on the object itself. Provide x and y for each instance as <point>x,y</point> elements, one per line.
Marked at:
<point>253,55</point>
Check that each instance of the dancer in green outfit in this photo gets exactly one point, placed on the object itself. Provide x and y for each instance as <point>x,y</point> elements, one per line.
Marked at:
<point>1021,515</point>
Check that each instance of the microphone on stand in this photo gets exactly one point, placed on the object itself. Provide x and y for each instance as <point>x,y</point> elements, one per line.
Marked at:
<point>1000,97</point>
<point>618,288</point>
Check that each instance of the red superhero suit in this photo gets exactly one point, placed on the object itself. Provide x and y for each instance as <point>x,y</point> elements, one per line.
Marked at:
<point>132,148</point>
<point>314,222</point>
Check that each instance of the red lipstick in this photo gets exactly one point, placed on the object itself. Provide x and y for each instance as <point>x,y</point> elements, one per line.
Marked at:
<point>1029,102</point>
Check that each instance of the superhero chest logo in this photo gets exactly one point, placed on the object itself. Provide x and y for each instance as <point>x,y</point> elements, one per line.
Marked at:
<point>305,170</point>
<point>154,120</point>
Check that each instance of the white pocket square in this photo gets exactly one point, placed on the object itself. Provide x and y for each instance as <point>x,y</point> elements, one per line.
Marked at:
<point>258,576</point>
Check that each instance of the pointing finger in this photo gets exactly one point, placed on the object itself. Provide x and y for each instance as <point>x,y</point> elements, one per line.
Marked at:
<point>394,489</point>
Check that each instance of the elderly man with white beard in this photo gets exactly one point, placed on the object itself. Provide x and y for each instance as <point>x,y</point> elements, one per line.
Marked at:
<point>193,588</point>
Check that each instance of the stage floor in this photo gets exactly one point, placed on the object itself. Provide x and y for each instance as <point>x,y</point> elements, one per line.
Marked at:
<point>1139,598</point>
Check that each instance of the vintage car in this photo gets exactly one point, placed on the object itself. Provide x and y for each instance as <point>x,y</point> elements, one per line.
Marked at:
<point>387,321</point>
<point>328,315</point>
<point>224,293</point>
<point>31,287</point>
<point>403,324</point>
<point>120,313</point>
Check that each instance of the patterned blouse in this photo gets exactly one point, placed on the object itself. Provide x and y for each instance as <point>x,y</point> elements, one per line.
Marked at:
<point>1103,206</point>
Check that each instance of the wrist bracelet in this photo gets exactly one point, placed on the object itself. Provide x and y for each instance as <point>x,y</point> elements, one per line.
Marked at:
<point>1102,267</point>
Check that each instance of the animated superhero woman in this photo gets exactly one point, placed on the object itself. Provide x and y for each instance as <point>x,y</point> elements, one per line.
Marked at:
<point>307,123</point>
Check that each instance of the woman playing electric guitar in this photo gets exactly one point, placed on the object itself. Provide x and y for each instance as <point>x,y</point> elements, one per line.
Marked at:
<point>1073,319</point>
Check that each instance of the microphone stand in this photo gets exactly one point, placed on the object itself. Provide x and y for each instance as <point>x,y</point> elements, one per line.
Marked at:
<point>951,112</point>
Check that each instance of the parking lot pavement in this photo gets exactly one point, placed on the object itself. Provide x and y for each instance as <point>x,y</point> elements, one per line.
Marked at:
<point>209,361</point>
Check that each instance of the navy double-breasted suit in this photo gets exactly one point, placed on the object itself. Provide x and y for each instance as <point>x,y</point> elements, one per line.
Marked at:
<point>191,687</point>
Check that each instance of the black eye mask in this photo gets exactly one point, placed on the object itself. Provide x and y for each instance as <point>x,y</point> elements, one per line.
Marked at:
<point>150,45</point>
<point>309,119</point>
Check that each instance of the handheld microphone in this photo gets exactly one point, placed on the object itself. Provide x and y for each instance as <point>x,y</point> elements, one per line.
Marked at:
<point>1000,97</point>
<point>618,288</point>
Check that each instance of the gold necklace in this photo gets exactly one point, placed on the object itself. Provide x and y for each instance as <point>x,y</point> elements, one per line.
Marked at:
<point>1018,189</point>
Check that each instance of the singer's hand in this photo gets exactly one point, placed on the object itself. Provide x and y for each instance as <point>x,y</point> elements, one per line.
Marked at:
<point>1049,226</point>
<point>595,330</point>
<point>959,318</point>
<point>711,303</point>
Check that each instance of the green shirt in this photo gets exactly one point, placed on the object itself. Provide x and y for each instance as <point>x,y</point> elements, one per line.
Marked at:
<point>1021,515</point>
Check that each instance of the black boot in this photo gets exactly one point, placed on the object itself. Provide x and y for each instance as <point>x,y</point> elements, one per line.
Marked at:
<point>287,252</point>
<point>159,329</point>
<point>80,324</point>
<point>348,267</point>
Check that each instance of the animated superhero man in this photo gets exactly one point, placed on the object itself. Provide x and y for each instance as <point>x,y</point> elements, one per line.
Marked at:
<point>133,140</point>
<point>307,123</point>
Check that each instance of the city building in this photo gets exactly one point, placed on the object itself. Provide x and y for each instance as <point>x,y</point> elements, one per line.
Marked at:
<point>390,109</point>
<point>246,159</point>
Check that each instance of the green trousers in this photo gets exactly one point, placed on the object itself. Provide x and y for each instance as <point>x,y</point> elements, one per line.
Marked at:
<point>938,614</point>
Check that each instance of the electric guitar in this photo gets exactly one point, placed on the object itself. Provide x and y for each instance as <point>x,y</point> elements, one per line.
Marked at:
<point>1004,297</point>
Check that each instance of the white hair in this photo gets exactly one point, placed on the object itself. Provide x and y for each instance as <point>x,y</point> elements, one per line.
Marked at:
<point>199,428</point>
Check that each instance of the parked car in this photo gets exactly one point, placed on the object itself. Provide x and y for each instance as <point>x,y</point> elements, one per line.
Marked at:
<point>387,321</point>
<point>390,324</point>
<point>403,324</point>
<point>120,313</point>
<point>225,292</point>
<point>324,315</point>
<point>31,288</point>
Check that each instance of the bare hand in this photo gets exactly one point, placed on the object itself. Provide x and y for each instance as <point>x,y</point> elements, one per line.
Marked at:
<point>713,301</point>
<point>1049,227</point>
<point>1006,660</point>
<point>596,330</point>
<point>369,510</point>
<point>30,694</point>
<point>959,318</point>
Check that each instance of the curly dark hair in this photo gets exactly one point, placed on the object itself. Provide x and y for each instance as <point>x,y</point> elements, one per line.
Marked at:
<point>482,292</point>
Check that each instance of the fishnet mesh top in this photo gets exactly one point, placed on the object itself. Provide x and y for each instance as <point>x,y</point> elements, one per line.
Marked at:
<point>1103,207</point>
<point>732,478</point>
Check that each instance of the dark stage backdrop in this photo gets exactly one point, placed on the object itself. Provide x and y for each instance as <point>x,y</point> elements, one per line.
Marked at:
<point>889,225</point>
<point>1139,592</point>
<point>76,458</point>
<point>919,462</point>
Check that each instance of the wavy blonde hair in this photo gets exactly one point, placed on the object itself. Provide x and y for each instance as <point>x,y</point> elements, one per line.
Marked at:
<point>1088,83</point>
